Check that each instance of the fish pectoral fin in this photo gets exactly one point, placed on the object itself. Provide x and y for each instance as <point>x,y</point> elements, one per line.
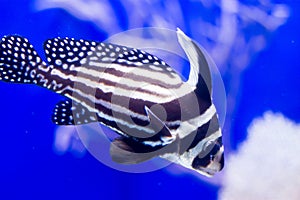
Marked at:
<point>124,151</point>
<point>135,150</point>
<point>163,133</point>
<point>69,112</point>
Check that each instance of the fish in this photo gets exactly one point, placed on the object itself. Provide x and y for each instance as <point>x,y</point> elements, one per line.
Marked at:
<point>154,112</point>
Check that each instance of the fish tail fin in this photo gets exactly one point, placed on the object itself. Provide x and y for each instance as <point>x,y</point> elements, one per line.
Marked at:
<point>19,62</point>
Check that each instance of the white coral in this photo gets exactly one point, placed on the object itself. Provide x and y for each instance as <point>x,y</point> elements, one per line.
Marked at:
<point>267,164</point>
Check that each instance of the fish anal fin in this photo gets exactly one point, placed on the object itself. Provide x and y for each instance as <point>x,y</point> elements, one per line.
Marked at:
<point>69,112</point>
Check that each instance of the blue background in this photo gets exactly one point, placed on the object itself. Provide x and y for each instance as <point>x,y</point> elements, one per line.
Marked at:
<point>30,169</point>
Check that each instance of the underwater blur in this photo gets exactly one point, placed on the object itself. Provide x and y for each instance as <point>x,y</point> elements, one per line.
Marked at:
<point>253,46</point>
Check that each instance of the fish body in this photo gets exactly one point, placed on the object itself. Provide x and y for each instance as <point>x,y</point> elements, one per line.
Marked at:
<point>134,93</point>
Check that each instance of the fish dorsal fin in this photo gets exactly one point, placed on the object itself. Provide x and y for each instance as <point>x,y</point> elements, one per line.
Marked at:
<point>69,112</point>
<point>200,76</point>
<point>64,52</point>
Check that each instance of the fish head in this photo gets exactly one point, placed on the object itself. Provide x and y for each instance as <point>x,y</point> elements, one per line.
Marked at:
<point>211,159</point>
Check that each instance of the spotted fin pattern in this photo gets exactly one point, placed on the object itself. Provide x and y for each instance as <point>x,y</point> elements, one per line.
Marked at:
<point>18,60</point>
<point>117,86</point>
<point>71,113</point>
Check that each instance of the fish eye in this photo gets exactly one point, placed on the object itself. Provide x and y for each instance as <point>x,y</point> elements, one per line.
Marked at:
<point>212,153</point>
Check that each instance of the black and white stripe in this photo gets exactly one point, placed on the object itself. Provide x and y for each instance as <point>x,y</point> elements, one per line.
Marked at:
<point>94,74</point>
<point>117,86</point>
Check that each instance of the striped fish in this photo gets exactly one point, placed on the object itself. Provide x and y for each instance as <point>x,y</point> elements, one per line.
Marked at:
<point>134,93</point>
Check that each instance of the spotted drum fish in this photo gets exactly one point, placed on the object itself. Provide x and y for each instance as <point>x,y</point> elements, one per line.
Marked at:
<point>132,92</point>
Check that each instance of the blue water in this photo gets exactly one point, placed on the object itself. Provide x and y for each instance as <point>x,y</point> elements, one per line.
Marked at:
<point>30,168</point>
